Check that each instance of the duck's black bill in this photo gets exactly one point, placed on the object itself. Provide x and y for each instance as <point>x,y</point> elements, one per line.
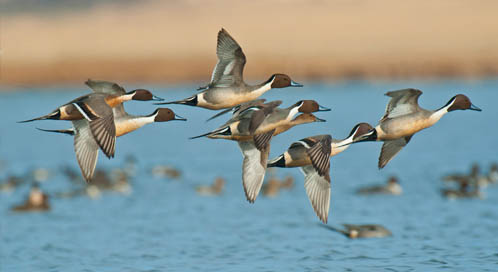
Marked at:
<point>295,84</point>
<point>474,107</point>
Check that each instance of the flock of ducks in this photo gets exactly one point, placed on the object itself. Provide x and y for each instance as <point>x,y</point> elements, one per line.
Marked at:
<point>99,117</point>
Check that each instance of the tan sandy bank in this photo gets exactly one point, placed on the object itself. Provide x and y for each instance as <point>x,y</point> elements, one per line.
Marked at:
<point>176,41</point>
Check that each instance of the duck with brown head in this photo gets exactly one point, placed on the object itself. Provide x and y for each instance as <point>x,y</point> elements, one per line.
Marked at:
<point>313,154</point>
<point>227,88</point>
<point>85,146</point>
<point>253,131</point>
<point>404,117</point>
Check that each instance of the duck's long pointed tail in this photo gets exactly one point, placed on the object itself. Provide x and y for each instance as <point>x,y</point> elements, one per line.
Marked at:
<point>221,131</point>
<point>191,101</point>
<point>53,115</point>
<point>63,131</point>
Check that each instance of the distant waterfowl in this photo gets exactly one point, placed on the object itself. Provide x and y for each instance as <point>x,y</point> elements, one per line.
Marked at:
<point>391,188</point>
<point>212,190</point>
<point>361,231</point>
<point>493,173</point>
<point>166,171</point>
<point>227,88</point>
<point>86,146</point>
<point>273,186</point>
<point>404,117</point>
<point>465,190</point>
<point>36,201</point>
<point>11,183</point>
<point>313,154</point>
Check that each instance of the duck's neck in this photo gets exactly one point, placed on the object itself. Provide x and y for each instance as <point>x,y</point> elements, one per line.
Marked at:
<point>133,123</point>
<point>437,114</point>
<point>292,111</point>
<point>262,88</point>
<point>339,146</point>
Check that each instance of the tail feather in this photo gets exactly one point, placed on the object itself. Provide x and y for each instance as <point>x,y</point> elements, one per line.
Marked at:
<point>277,162</point>
<point>63,131</point>
<point>53,115</point>
<point>191,101</point>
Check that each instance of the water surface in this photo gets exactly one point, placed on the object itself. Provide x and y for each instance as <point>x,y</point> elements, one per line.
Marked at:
<point>165,225</point>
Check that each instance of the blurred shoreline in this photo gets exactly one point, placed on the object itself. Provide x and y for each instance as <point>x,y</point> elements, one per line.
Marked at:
<point>56,42</point>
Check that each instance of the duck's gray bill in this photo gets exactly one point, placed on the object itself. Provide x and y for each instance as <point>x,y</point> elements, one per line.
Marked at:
<point>322,108</point>
<point>474,107</point>
<point>295,84</point>
<point>157,98</point>
<point>179,118</point>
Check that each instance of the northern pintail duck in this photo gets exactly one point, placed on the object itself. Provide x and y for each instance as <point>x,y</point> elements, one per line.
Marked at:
<point>86,145</point>
<point>36,201</point>
<point>273,186</point>
<point>391,188</point>
<point>253,132</point>
<point>264,118</point>
<point>493,173</point>
<point>465,190</point>
<point>166,171</point>
<point>474,177</point>
<point>227,88</point>
<point>404,117</point>
<point>96,109</point>
<point>313,154</point>
<point>215,189</point>
<point>362,231</point>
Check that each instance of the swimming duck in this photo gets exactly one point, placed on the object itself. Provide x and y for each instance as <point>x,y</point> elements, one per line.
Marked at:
<point>493,173</point>
<point>227,88</point>
<point>391,188</point>
<point>11,183</point>
<point>162,171</point>
<point>215,189</point>
<point>308,153</point>
<point>463,191</point>
<point>404,117</point>
<point>36,201</point>
<point>362,231</point>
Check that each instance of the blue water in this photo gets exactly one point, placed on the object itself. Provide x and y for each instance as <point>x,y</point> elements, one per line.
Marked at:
<point>165,226</point>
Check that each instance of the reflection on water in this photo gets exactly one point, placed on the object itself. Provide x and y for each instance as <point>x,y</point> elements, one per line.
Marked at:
<point>153,220</point>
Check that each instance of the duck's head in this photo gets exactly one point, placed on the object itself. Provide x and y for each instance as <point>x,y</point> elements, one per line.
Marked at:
<point>359,130</point>
<point>144,95</point>
<point>366,135</point>
<point>353,234</point>
<point>309,106</point>
<point>282,81</point>
<point>461,102</point>
<point>166,114</point>
<point>392,180</point>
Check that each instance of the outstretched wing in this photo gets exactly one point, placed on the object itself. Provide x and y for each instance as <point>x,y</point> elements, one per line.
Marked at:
<point>402,102</point>
<point>231,61</point>
<point>86,148</point>
<point>391,148</point>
